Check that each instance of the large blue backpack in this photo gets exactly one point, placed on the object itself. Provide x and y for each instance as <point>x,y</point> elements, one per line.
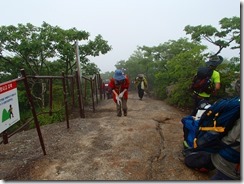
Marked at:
<point>214,124</point>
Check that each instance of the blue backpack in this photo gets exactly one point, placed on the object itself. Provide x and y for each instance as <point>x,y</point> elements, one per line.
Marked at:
<point>213,125</point>
<point>216,121</point>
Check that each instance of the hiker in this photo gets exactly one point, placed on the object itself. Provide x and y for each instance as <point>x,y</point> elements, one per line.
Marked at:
<point>119,85</point>
<point>227,170</point>
<point>106,89</point>
<point>141,85</point>
<point>213,62</point>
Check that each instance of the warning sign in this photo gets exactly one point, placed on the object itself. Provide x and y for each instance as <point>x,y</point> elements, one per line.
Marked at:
<point>9,105</point>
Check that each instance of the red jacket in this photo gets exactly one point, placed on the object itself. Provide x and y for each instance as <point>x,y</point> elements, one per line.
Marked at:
<point>119,87</point>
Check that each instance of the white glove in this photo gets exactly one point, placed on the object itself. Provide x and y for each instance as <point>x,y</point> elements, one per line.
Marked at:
<point>121,95</point>
<point>119,101</point>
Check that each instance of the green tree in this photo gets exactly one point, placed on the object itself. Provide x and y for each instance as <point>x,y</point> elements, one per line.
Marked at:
<point>46,50</point>
<point>37,46</point>
<point>228,34</point>
<point>167,72</point>
<point>171,66</point>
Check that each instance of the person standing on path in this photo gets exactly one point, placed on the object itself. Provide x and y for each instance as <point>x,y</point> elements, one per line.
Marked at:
<point>213,62</point>
<point>119,85</point>
<point>141,85</point>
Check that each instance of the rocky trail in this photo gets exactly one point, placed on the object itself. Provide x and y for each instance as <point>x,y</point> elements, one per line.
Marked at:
<point>143,146</point>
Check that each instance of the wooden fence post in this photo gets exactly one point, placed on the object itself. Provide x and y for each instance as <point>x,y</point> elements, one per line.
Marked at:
<point>65,100</point>
<point>82,115</point>
<point>29,96</point>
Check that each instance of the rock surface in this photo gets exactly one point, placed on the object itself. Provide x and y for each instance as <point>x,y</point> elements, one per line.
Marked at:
<point>145,145</point>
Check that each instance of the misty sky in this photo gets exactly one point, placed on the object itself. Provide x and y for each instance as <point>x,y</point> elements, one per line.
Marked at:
<point>125,24</point>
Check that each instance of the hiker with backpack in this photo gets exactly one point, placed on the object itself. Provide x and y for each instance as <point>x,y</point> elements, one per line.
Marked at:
<point>119,86</point>
<point>206,82</point>
<point>216,143</point>
<point>141,85</point>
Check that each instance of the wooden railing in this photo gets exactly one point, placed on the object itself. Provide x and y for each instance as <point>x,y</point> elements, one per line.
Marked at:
<point>94,86</point>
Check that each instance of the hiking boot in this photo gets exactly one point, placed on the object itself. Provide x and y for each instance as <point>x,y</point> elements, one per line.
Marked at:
<point>125,113</point>
<point>119,114</point>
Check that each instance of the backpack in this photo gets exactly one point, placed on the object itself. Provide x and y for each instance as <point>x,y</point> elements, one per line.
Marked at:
<point>202,80</point>
<point>213,125</point>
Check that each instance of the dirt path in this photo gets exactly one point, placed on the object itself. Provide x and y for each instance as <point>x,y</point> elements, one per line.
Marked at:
<point>145,145</point>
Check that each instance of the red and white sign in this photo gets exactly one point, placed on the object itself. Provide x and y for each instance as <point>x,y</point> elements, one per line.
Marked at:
<point>9,105</point>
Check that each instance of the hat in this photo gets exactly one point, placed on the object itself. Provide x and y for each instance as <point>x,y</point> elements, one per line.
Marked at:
<point>118,75</point>
<point>140,75</point>
<point>214,60</point>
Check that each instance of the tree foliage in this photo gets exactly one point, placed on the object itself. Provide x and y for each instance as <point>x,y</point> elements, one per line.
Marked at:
<point>228,34</point>
<point>46,50</point>
<point>171,66</point>
<point>35,48</point>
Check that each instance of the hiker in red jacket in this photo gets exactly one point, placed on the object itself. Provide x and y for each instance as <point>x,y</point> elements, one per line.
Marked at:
<point>119,85</point>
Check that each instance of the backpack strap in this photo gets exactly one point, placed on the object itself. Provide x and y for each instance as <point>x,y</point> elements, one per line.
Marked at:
<point>214,128</point>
